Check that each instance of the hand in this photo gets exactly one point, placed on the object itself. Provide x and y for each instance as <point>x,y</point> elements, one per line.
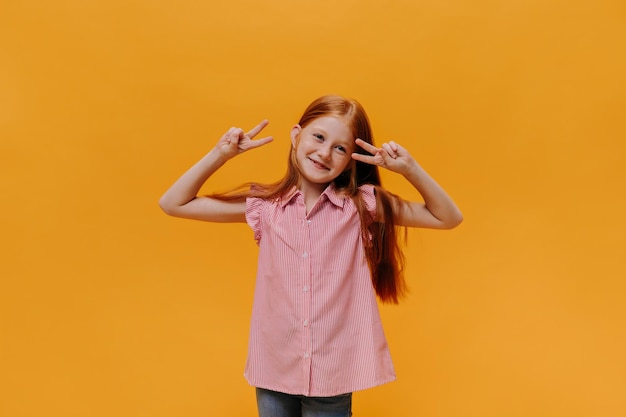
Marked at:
<point>235,141</point>
<point>390,156</point>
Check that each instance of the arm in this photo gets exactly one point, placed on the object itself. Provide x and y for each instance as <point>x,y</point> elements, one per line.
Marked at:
<point>181,199</point>
<point>438,210</point>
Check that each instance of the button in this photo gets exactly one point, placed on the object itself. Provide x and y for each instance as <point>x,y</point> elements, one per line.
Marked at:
<point>308,222</point>
<point>305,288</point>
<point>305,255</point>
<point>306,323</point>
<point>307,355</point>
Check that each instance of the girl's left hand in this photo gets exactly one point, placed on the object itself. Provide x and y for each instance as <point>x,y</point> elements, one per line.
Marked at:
<point>390,156</point>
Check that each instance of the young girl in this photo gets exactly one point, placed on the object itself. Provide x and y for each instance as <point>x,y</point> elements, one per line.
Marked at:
<point>327,247</point>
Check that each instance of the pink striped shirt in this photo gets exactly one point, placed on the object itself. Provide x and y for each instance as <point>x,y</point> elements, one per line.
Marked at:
<point>315,327</point>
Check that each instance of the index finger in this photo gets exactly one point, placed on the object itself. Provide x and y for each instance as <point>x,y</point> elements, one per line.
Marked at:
<point>256,129</point>
<point>367,146</point>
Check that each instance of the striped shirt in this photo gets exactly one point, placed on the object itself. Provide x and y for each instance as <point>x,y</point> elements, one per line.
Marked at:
<point>315,327</point>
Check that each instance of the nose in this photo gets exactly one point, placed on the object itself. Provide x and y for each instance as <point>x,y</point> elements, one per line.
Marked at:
<point>324,152</point>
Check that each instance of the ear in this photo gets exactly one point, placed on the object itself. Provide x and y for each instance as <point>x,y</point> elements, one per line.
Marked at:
<point>295,132</point>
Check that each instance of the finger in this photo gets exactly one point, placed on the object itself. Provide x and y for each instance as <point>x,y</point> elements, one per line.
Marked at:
<point>390,151</point>
<point>368,159</point>
<point>366,146</point>
<point>227,134</point>
<point>237,133</point>
<point>256,129</point>
<point>261,142</point>
<point>393,145</point>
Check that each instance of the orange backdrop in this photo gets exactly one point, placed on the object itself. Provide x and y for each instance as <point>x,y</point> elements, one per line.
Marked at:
<point>110,308</point>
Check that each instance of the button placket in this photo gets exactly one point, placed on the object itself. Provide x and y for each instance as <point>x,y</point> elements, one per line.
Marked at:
<point>306,312</point>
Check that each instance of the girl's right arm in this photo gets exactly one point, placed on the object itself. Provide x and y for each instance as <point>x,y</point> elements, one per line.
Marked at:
<point>182,200</point>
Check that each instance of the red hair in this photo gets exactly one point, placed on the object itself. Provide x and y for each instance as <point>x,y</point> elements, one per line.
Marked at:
<point>380,238</point>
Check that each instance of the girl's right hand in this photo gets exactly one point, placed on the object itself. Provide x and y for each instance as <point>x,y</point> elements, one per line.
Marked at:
<point>235,141</point>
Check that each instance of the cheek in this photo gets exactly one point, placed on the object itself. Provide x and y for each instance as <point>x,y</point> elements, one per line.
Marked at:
<point>344,161</point>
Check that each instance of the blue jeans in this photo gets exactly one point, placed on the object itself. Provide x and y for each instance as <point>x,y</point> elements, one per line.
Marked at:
<point>277,404</point>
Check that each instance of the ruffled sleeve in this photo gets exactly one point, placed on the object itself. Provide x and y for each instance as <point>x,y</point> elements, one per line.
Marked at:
<point>254,206</point>
<point>368,196</point>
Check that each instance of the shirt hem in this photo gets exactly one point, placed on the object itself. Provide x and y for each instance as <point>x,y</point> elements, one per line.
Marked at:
<point>333,393</point>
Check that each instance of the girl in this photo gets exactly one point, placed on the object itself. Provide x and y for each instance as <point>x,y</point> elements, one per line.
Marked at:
<point>327,247</point>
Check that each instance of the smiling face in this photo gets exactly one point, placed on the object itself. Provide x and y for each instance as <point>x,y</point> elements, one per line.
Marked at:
<point>323,151</point>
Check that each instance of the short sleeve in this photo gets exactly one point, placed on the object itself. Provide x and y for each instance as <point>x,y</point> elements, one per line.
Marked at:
<point>254,206</point>
<point>368,195</point>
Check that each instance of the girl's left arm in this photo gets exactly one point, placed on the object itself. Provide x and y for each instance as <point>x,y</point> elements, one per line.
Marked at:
<point>438,211</point>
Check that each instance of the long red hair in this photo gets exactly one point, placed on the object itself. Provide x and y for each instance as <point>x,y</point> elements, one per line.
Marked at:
<point>380,238</point>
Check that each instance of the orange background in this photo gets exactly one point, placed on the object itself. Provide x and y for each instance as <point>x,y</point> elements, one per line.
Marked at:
<point>110,308</point>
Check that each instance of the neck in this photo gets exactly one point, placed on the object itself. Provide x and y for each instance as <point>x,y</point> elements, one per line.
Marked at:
<point>311,193</point>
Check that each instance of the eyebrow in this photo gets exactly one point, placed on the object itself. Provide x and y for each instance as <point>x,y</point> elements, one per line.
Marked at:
<point>318,129</point>
<point>345,143</point>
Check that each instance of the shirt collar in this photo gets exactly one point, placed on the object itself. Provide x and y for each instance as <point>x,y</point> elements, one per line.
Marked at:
<point>330,192</point>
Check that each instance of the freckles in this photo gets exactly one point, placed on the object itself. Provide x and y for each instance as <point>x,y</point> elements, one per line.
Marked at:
<point>344,161</point>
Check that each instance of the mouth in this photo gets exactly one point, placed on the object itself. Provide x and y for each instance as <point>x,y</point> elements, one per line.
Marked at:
<point>319,165</point>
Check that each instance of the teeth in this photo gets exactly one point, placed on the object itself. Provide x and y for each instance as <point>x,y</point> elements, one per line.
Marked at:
<point>318,164</point>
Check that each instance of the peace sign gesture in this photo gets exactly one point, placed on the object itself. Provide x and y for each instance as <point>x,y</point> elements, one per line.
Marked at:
<point>235,141</point>
<point>390,156</point>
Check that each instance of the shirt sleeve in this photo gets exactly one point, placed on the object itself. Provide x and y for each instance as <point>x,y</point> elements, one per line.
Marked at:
<point>254,206</point>
<point>368,195</point>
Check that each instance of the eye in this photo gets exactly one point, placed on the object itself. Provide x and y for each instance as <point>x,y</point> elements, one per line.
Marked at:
<point>319,136</point>
<point>341,149</point>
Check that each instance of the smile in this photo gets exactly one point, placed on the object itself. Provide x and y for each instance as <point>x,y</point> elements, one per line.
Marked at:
<point>319,165</point>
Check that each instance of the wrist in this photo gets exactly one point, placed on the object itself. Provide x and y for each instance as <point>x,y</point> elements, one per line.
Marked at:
<point>216,156</point>
<point>412,170</point>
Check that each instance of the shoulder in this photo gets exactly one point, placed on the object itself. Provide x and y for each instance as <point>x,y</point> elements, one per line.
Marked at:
<point>257,205</point>
<point>367,190</point>
<point>254,208</point>
<point>367,193</point>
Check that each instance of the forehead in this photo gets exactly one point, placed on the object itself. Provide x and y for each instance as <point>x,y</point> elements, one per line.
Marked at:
<point>332,126</point>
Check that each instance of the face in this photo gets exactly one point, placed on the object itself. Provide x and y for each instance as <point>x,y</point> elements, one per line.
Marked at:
<point>323,150</point>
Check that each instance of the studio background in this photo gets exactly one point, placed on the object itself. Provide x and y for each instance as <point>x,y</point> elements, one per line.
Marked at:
<point>108,307</point>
